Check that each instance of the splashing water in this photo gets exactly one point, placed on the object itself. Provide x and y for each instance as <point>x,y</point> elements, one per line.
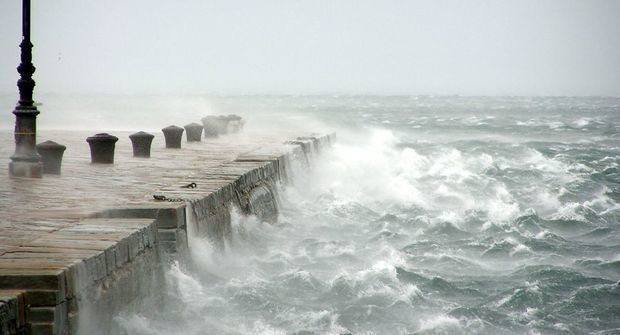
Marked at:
<point>430,216</point>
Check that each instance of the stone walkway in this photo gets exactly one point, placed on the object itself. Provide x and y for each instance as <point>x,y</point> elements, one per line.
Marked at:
<point>54,250</point>
<point>30,207</point>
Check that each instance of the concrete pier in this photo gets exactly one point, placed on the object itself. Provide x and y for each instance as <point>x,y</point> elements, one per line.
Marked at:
<point>93,239</point>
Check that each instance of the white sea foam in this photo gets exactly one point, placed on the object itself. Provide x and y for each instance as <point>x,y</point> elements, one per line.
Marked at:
<point>582,122</point>
<point>441,324</point>
<point>470,219</point>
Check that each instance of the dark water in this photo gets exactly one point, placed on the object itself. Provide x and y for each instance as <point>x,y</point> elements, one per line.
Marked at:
<point>432,215</point>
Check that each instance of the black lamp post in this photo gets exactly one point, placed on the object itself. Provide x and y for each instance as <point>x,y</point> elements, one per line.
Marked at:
<point>25,162</point>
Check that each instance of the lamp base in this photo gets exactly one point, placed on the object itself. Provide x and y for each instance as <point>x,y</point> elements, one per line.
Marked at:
<point>26,169</point>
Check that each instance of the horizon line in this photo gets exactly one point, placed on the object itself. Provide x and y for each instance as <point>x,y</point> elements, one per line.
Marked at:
<point>334,95</point>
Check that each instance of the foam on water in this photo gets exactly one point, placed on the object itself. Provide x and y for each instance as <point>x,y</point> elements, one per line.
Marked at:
<point>492,217</point>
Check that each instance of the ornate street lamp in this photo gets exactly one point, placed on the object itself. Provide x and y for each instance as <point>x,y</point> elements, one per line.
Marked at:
<point>25,162</point>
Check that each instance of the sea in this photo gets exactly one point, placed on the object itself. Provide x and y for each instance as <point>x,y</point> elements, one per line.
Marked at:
<point>429,215</point>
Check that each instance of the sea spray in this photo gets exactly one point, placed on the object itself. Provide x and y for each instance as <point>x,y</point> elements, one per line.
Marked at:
<point>459,220</point>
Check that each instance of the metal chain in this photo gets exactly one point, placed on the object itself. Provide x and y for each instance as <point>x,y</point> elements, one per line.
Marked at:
<point>164,198</point>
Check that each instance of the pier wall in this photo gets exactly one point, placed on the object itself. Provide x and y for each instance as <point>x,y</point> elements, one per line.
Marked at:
<point>91,261</point>
<point>75,278</point>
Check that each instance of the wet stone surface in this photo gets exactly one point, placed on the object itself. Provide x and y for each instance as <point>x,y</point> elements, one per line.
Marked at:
<point>31,210</point>
<point>84,188</point>
<point>62,236</point>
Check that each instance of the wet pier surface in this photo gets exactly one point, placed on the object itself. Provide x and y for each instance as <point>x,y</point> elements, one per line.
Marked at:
<point>59,247</point>
<point>84,187</point>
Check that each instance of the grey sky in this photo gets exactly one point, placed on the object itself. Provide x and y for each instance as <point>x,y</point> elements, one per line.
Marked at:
<point>507,47</point>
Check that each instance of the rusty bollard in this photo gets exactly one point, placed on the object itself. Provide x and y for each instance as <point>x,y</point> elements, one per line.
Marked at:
<point>102,148</point>
<point>141,143</point>
<point>210,126</point>
<point>173,135</point>
<point>193,131</point>
<point>51,154</point>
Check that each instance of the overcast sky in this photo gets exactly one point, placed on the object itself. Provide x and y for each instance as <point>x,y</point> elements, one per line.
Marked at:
<point>476,47</point>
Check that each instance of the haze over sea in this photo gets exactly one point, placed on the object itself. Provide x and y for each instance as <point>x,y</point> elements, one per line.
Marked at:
<point>431,215</point>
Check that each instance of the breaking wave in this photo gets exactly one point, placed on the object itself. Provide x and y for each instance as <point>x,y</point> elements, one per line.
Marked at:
<point>391,233</point>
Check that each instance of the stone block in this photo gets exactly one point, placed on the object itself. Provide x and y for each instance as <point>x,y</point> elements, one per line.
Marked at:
<point>177,236</point>
<point>166,215</point>
<point>134,242</point>
<point>37,298</point>
<point>263,204</point>
<point>122,252</point>
<point>146,240</point>
<point>100,266</point>
<point>77,278</point>
<point>91,270</point>
<point>167,235</point>
<point>43,314</point>
<point>12,311</point>
<point>110,260</point>
<point>152,235</point>
<point>42,328</point>
<point>182,241</point>
<point>168,247</point>
<point>50,279</point>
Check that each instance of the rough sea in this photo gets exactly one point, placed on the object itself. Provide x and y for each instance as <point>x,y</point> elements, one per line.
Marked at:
<point>431,215</point>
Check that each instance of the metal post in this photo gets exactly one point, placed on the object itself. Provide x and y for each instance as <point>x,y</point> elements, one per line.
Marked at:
<point>25,162</point>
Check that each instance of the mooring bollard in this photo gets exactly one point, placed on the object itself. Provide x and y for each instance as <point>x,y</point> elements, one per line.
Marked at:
<point>234,123</point>
<point>102,148</point>
<point>173,136</point>
<point>210,125</point>
<point>141,143</point>
<point>51,155</point>
<point>193,131</point>
<point>222,124</point>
